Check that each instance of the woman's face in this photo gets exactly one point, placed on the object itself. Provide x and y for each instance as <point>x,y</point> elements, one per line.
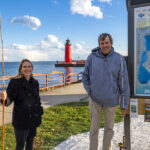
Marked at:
<point>26,70</point>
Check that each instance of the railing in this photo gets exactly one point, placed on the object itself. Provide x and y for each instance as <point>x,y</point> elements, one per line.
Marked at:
<point>49,80</point>
<point>73,77</point>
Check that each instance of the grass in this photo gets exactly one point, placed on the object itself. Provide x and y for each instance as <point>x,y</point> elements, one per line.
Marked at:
<point>58,123</point>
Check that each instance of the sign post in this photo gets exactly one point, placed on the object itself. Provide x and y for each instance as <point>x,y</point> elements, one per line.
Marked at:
<point>138,57</point>
<point>139,47</point>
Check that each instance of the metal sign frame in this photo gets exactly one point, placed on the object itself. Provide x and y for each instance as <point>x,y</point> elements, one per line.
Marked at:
<point>136,48</point>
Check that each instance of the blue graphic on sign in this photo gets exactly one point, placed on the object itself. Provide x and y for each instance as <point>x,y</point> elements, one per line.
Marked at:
<point>144,67</point>
<point>141,15</point>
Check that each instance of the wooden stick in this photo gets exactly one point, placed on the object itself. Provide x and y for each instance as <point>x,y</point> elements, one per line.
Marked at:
<point>3,84</point>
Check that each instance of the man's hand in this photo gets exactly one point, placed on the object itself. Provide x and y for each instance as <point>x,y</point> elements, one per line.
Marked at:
<point>124,111</point>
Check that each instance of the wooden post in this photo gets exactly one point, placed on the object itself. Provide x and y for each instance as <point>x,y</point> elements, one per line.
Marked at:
<point>127,131</point>
<point>46,81</point>
<point>63,79</point>
<point>3,117</point>
<point>77,77</point>
<point>141,111</point>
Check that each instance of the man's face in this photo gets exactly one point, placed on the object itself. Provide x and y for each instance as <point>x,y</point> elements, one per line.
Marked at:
<point>105,46</point>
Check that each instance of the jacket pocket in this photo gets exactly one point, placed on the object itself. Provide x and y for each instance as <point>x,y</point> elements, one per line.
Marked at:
<point>35,113</point>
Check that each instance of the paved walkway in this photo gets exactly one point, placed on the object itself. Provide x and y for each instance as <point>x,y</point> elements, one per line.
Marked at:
<point>70,93</point>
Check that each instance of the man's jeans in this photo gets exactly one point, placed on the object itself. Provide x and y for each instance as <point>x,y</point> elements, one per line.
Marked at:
<point>109,116</point>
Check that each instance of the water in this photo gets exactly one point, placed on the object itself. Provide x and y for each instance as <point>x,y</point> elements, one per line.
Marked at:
<point>11,68</point>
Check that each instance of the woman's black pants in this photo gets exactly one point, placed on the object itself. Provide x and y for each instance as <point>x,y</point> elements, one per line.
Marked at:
<point>24,138</point>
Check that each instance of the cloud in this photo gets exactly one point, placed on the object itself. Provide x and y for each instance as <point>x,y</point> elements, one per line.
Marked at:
<point>122,52</point>
<point>108,1</point>
<point>85,8</point>
<point>79,50</point>
<point>51,41</point>
<point>78,46</point>
<point>48,49</point>
<point>34,55</point>
<point>21,46</point>
<point>32,22</point>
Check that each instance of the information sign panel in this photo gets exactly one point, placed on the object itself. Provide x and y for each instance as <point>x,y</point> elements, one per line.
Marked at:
<point>142,51</point>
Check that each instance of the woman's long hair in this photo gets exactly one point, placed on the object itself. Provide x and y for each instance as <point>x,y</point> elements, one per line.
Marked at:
<point>20,75</point>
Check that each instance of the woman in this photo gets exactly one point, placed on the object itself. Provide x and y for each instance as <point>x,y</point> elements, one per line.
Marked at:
<point>23,90</point>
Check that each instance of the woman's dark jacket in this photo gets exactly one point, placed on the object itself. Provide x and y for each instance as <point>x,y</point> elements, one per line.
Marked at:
<point>25,94</point>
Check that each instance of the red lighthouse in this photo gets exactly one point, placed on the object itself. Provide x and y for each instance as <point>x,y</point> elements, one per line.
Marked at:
<point>68,57</point>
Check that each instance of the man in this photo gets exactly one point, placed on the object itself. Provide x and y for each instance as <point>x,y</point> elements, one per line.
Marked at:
<point>105,79</point>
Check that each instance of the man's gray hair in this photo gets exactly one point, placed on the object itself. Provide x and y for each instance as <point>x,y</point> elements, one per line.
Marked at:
<point>103,36</point>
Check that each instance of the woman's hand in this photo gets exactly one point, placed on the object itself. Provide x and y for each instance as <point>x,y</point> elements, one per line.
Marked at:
<point>3,95</point>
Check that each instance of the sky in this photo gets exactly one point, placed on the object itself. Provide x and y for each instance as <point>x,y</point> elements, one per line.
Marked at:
<point>38,29</point>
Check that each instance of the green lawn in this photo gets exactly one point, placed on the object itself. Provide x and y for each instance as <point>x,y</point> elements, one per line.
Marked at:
<point>58,123</point>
